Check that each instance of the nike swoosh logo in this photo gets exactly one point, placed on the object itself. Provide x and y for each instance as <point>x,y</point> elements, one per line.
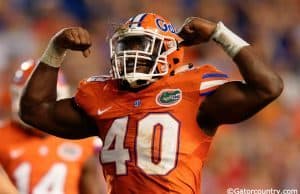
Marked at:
<point>100,112</point>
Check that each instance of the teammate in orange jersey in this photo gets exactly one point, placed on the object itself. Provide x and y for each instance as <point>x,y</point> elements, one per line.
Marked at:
<point>38,163</point>
<point>156,116</point>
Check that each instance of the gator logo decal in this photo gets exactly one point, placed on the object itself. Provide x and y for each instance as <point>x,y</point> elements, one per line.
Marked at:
<point>169,97</point>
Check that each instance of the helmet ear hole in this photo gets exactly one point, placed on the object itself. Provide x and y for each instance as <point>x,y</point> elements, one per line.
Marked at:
<point>175,60</point>
<point>172,73</point>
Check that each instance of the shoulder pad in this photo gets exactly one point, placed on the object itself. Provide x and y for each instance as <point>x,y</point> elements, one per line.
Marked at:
<point>184,68</point>
<point>99,78</point>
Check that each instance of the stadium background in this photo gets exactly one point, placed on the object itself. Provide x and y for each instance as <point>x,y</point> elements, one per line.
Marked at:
<point>263,152</point>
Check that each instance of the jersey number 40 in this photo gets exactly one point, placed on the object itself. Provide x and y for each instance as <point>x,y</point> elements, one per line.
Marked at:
<point>156,144</point>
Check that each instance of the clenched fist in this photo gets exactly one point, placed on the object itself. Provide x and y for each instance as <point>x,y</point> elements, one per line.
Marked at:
<point>195,31</point>
<point>73,38</point>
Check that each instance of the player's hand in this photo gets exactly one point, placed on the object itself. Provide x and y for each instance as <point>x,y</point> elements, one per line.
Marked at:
<point>74,38</point>
<point>195,31</point>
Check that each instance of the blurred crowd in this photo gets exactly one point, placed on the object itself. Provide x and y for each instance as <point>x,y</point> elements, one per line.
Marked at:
<point>263,152</point>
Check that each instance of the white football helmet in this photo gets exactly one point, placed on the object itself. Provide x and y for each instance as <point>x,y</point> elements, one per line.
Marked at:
<point>144,49</point>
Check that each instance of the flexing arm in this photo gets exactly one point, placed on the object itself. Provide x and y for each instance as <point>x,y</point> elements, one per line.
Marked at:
<point>38,106</point>
<point>234,101</point>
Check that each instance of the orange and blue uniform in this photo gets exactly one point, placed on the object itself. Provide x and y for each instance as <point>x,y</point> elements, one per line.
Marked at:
<point>152,142</point>
<point>43,165</point>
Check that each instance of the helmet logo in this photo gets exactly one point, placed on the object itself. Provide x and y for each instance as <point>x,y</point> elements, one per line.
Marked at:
<point>161,24</point>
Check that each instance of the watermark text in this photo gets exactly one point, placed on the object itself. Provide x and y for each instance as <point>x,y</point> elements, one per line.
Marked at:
<point>261,191</point>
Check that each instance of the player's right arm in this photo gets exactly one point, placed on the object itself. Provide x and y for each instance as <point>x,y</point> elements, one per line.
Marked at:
<point>39,107</point>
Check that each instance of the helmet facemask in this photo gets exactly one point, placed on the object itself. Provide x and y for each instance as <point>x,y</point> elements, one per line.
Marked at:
<point>139,55</point>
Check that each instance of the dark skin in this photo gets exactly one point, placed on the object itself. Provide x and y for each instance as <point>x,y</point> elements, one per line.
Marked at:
<point>60,118</point>
<point>90,176</point>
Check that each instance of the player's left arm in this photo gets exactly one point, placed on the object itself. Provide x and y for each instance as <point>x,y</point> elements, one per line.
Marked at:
<point>92,180</point>
<point>234,101</point>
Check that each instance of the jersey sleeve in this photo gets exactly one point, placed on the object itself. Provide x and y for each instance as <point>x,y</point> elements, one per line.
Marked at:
<point>88,94</point>
<point>211,79</point>
<point>2,156</point>
<point>97,145</point>
<point>91,147</point>
<point>85,96</point>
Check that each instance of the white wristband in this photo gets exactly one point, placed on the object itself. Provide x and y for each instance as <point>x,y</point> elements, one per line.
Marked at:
<point>230,42</point>
<point>53,56</point>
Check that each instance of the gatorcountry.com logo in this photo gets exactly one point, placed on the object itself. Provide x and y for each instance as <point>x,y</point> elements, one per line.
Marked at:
<point>169,97</point>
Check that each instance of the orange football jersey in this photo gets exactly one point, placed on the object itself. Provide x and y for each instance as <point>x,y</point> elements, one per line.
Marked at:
<point>152,142</point>
<point>43,165</point>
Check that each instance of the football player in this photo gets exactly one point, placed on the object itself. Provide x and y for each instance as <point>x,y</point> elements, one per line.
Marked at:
<point>156,115</point>
<point>38,163</point>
